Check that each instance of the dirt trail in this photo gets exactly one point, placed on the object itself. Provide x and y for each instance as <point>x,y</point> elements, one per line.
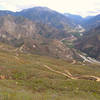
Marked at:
<point>69,75</point>
<point>73,62</point>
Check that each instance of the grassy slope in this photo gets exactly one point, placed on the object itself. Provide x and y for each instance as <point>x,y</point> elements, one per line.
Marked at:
<point>26,78</point>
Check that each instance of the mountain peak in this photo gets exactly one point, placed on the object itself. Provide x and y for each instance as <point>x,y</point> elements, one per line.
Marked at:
<point>39,8</point>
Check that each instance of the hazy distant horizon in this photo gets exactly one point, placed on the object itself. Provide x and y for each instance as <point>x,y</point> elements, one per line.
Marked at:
<point>79,7</point>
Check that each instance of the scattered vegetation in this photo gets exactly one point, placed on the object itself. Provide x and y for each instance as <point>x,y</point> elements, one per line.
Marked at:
<point>24,77</point>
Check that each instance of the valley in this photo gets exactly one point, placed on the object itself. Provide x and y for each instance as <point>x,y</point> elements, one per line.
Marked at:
<point>47,55</point>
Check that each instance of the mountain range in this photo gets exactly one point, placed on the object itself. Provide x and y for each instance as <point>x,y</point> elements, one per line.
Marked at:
<point>47,55</point>
<point>44,31</point>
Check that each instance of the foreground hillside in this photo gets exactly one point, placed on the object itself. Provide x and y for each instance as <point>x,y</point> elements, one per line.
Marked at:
<point>33,77</point>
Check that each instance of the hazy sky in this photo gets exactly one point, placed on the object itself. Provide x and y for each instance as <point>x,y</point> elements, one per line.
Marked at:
<point>81,7</point>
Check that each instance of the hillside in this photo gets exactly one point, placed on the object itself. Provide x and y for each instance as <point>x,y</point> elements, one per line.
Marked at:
<point>34,77</point>
<point>90,43</point>
<point>29,36</point>
<point>48,16</point>
<point>45,16</point>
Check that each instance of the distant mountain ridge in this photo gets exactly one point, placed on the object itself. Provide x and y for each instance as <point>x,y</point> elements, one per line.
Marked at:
<point>43,15</point>
<point>60,21</point>
<point>93,22</point>
<point>77,19</point>
<point>88,22</point>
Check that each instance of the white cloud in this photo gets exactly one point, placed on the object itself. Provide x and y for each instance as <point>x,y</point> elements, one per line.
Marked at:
<point>82,7</point>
